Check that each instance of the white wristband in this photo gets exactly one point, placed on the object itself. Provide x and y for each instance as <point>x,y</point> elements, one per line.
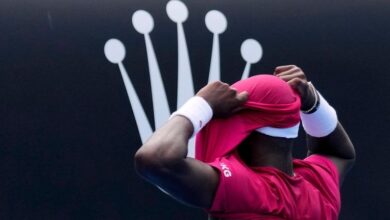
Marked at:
<point>322,122</point>
<point>197,110</point>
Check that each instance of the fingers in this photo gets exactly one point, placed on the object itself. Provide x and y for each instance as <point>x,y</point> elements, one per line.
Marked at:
<point>293,75</point>
<point>242,97</point>
<point>298,84</point>
<point>280,69</point>
<point>294,69</point>
<point>291,69</point>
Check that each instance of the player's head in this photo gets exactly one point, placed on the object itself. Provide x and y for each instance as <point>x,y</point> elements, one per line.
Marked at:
<point>270,90</point>
<point>272,108</point>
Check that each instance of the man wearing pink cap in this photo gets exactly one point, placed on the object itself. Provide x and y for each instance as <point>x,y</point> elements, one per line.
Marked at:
<point>244,167</point>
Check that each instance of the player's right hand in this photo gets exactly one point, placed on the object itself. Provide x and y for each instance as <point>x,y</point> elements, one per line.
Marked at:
<point>223,99</point>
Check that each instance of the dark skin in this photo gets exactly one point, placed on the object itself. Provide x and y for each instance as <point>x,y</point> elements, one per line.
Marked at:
<point>162,159</point>
<point>336,146</point>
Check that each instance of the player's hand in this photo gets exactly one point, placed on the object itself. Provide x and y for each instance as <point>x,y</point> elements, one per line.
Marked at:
<point>296,78</point>
<point>223,99</point>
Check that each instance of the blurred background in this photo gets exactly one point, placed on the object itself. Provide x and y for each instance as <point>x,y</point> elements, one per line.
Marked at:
<point>68,133</point>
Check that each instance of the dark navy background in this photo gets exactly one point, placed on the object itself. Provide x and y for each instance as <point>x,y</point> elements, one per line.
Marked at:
<point>67,132</point>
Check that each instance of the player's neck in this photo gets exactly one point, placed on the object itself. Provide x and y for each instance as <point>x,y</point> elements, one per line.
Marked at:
<point>260,150</point>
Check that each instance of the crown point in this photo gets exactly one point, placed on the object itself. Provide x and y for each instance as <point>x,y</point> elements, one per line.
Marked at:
<point>114,50</point>
<point>216,21</point>
<point>143,22</point>
<point>177,11</point>
<point>251,51</point>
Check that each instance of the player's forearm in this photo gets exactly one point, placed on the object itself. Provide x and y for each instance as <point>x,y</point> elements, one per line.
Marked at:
<point>167,146</point>
<point>337,144</point>
<point>325,135</point>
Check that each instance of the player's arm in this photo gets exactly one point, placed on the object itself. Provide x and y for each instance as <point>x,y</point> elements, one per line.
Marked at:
<point>163,161</point>
<point>328,136</point>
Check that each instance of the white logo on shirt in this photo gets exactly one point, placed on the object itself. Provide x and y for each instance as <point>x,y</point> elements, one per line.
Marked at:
<point>226,170</point>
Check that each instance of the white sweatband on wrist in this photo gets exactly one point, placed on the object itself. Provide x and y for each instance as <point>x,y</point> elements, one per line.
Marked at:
<point>322,122</point>
<point>197,110</point>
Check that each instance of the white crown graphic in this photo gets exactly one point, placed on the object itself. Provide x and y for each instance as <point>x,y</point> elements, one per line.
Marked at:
<point>216,23</point>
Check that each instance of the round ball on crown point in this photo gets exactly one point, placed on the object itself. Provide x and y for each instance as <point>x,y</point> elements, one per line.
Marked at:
<point>114,50</point>
<point>143,22</point>
<point>216,21</point>
<point>177,11</point>
<point>251,51</point>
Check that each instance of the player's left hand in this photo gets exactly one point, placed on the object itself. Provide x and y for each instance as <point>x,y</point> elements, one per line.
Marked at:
<point>296,78</point>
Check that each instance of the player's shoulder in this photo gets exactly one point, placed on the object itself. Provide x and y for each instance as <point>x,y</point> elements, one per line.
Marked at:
<point>316,160</point>
<point>317,167</point>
